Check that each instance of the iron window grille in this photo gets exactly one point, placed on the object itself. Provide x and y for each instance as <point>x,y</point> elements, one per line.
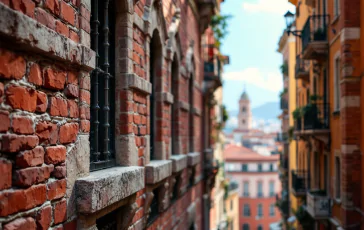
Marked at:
<point>102,85</point>
<point>108,222</point>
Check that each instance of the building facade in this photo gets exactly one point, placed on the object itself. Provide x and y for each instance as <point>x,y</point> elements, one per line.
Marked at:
<point>106,114</point>
<point>328,125</point>
<point>258,184</point>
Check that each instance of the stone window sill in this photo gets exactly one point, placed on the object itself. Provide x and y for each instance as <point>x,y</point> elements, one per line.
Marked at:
<point>157,170</point>
<point>105,187</point>
<point>179,162</point>
<point>193,159</point>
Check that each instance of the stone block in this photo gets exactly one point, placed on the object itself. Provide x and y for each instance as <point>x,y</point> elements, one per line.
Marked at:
<point>184,105</point>
<point>126,151</point>
<point>193,158</point>
<point>179,162</point>
<point>157,170</point>
<point>105,187</point>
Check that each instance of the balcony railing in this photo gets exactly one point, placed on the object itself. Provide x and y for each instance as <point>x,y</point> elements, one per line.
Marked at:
<point>318,204</point>
<point>302,68</point>
<point>300,182</point>
<point>284,103</point>
<point>314,36</point>
<point>212,69</point>
<point>298,124</point>
<point>316,116</point>
<point>282,137</point>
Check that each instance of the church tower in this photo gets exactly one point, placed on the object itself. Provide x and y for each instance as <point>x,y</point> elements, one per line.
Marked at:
<point>245,115</point>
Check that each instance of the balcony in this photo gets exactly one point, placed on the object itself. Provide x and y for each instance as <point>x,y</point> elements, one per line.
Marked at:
<point>315,37</point>
<point>282,137</point>
<point>283,206</point>
<point>284,103</point>
<point>318,204</point>
<point>302,68</point>
<point>299,182</point>
<point>283,162</point>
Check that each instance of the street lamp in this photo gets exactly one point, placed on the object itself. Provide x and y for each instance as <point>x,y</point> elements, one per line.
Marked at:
<point>289,22</point>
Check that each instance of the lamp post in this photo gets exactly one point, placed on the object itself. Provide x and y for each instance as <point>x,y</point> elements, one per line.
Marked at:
<point>289,16</point>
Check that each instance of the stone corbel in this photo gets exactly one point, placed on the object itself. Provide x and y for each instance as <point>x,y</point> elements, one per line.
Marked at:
<point>163,196</point>
<point>148,201</point>
<point>127,214</point>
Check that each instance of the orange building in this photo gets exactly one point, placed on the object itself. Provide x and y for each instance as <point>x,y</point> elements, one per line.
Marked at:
<point>258,184</point>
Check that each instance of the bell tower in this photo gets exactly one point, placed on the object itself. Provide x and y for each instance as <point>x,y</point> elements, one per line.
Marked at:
<point>245,115</point>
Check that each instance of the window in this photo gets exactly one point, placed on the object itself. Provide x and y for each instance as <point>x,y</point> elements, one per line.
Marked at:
<point>246,210</point>
<point>246,189</point>
<point>243,121</point>
<point>271,210</point>
<point>191,116</point>
<point>337,178</point>
<point>271,188</point>
<point>260,189</point>
<point>155,66</point>
<point>336,8</point>
<point>245,226</point>
<point>174,120</point>
<point>260,210</point>
<point>260,168</point>
<point>244,167</point>
<point>243,109</point>
<point>102,86</point>
<point>260,227</point>
<point>337,84</point>
<point>271,167</point>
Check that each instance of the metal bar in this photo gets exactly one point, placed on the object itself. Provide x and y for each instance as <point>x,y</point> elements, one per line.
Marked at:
<point>106,75</point>
<point>95,91</point>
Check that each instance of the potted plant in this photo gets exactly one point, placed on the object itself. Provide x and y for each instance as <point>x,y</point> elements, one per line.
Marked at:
<point>314,98</point>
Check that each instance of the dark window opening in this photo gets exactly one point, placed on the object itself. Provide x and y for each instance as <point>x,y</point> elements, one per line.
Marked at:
<point>176,188</point>
<point>155,65</point>
<point>260,168</point>
<point>174,121</point>
<point>102,86</point>
<point>153,215</point>
<point>191,179</point>
<point>244,167</point>
<point>108,222</point>
<point>245,226</point>
<point>191,116</point>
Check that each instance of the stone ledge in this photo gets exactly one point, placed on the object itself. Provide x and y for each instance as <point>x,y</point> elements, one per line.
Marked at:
<point>165,97</point>
<point>157,170</point>
<point>196,111</point>
<point>179,162</point>
<point>135,82</point>
<point>105,187</point>
<point>27,32</point>
<point>193,158</point>
<point>184,105</point>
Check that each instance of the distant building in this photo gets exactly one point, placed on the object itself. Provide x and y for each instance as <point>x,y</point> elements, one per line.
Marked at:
<point>258,183</point>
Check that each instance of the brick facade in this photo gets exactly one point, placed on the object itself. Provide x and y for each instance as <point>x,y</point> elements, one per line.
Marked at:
<point>47,107</point>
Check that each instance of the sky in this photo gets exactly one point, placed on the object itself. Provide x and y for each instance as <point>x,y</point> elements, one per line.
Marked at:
<point>252,42</point>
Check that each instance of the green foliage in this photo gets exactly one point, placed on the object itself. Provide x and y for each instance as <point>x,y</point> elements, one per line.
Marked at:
<point>225,114</point>
<point>304,218</point>
<point>284,68</point>
<point>219,26</point>
<point>297,113</point>
<point>315,97</point>
<point>290,133</point>
<point>283,92</point>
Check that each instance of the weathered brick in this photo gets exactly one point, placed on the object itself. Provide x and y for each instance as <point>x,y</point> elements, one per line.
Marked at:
<point>12,201</point>
<point>52,6</point>
<point>41,102</point>
<point>45,18</point>
<point>85,83</point>
<point>60,210</point>
<point>85,13</point>
<point>5,172</point>
<point>5,121</point>
<point>25,6</point>
<point>72,78</point>
<point>21,98</point>
<point>1,91</point>
<point>59,171</point>
<point>71,91</point>
<point>30,158</point>
<point>85,126</point>
<point>68,133</point>
<point>44,218</point>
<point>34,175</point>
<point>47,132</point>
<point>67,13</point>
<point>72,108</point>
<point>14,143</point>
<point>74,36</point>
<point>35,75</point>
<point>84,24</point>
<point>84,112</point>
<point>85,96</point>
<point>11,65</point>
<point>55,154</point>
<point>58,107</point>
<point>22,125</point>
<point>54,79</point>
<point>56,189</point>
<point>62,28</point>
<point>27,223</point>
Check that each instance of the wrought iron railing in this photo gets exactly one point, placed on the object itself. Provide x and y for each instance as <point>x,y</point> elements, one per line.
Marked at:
<point>302,66</point>
<point>298,124</point>
<point>102,85</point>
<point>315,30</point>
<point>300,180</point>
<point>316,116</point>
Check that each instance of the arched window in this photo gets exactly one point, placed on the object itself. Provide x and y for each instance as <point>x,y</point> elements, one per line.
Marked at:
<point>155,66</point>
<point>260,227</point>
<point>102,85</point>
<point>246,227</point>
<point>243,109</point>
<point>174,89</point>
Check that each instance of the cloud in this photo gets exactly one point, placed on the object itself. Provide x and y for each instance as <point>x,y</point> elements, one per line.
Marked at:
<point>271,81</point>
<point>268,6</point>
<point>232,122</point>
